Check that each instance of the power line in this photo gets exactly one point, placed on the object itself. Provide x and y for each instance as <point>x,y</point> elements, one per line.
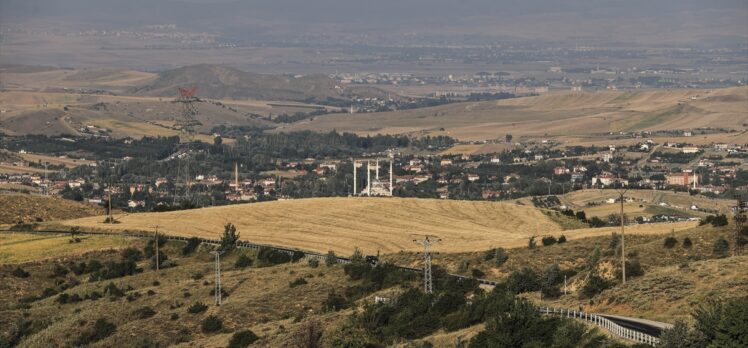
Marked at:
<point>427,242</point>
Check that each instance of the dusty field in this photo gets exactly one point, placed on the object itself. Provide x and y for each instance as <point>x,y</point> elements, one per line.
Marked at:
<point>19,248</point>
<point>556,114</point>
<point>387,225</point>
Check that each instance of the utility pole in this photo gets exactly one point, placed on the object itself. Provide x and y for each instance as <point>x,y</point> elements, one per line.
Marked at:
<point>158,259</point>
<point>217,288</point>
<point>621,191</point>
<point>740,219</point>
<point>427,242</point>
<point>355,179</point>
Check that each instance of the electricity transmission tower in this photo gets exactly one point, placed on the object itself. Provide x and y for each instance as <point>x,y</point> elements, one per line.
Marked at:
<point>622,189</point>
<point>188,123</point>
<point>427,242</point>
<point>218,277</point>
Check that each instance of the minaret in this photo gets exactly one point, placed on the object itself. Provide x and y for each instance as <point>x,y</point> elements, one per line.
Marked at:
<point>354,176</point>
<point>236,175</point>
<point>377,169</point>
<point>390,176</point>
<point>368,178</point>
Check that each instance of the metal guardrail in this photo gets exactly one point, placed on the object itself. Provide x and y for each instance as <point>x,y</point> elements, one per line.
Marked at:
<point>604,323</point>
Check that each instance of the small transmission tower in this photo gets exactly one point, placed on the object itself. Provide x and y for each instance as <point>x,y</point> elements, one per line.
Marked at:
<point>189,101</point>
<point>188,123</point>
<point>427,242</point>
<point>740,219</point>
<point>218,276</point>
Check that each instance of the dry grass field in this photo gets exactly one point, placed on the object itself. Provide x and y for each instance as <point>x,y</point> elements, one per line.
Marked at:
<point>373,224</point>
<point>67,162</point>
<point>676,200</point>
<point>21,247</point>
<point>556,114</point>
<point>31,208</point>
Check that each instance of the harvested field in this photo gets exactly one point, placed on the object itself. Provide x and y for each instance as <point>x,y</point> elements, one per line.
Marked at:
<point>387,225</point>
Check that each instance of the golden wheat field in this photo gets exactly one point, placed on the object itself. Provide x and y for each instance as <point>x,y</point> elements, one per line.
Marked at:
<point>374,224</point>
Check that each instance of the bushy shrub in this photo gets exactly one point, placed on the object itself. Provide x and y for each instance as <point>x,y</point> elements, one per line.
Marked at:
<point>313,262</point>
<point>562,239</point>
<point>549,240</point>
<point>721,247</point>
<point>523,280</point>
<point>243,261</point>
<point>132,254</point>
<point>100,330</point>
<point>113,291</point>
<point>144,312</point>
<point>687,243</point>
<point>242,339</point>
<point>296,282</point>
<point>19,272</point>
<point>191,246</point>
<point>334,302</point>
<point>331,259</point>
<point>270,256</point>
<point>596,222</point>
<point>211,324</point>
<point>581,215</point>
<point>715,220</point>
<point>670,242</point>
<point>477,273</point>
<point>550,291</point>
<point>501,257</point>
<point>594,285</point>
<point>197,307</point>
<point>297,255</point>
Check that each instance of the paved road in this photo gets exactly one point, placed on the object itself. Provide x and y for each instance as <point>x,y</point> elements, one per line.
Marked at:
<point>650,327</point>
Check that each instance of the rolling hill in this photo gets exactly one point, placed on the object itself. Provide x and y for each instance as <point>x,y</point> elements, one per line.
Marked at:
<point>219,82</point>
<point>373,224</point>
<point>31,208</point>
<point>555,114</point>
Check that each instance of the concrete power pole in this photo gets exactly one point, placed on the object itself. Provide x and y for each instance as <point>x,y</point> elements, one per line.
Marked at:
<point>427,242</point>
<point>355,183</point>
<point>217,288</point>
<point>621,192</point>
<point>158,259</point>
<point>391,160</point>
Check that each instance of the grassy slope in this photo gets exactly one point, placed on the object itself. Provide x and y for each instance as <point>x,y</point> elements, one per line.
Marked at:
<point>555,114</point>
<point>260,299</point>
<point>19,248</point>
<point>31,208</point>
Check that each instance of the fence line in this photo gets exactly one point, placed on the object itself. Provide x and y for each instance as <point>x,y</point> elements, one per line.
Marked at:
<point>603,322</point>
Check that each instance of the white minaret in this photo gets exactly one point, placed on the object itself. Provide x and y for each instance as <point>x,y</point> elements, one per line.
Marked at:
<point>390,176</point>
<point>377,169</point>
<point>368,178</point>
<point>354,176</point>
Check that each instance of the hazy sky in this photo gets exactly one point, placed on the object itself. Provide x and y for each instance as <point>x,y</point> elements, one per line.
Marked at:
<point>634,20</point>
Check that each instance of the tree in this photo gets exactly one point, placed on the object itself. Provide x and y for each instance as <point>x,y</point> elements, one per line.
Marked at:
<point>242,339</point>
<point>732,330</point>
<point>680,336</point>
<point>211,324</point>
<point>229,238</point>
<point>331,259</point>
<point>721,247</point>
<point>670,242</point>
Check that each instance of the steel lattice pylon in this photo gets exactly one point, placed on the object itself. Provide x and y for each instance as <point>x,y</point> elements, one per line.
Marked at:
<point>427,242</point>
